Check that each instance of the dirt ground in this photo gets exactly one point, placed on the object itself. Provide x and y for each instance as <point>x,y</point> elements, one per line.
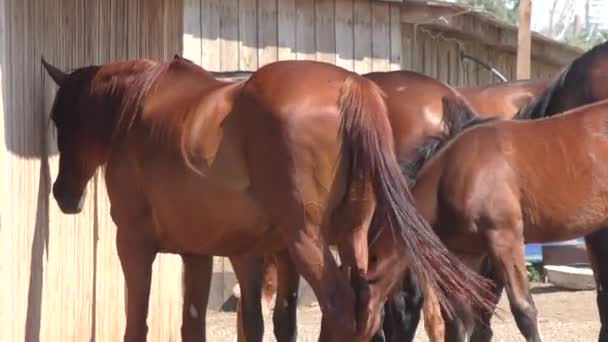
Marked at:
<point>563,315</point>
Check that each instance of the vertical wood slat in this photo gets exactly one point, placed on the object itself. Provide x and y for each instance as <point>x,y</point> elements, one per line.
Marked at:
<point>325,33</point>
<point>305,33</point>
<point>192,30</point>
<point>229,33</point>
<point>380,36</point>
<point>267,31</point>
<point>211,35</point>
<point>395,37</point>
<point>363,36</point>
<point>248,37</point>
<point>345,35</point>
<point>286,29</point>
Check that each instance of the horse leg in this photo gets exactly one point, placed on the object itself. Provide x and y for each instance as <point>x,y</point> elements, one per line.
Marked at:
<point>248,271</point>
<point>433,320</point>
<point>598,257</point>
<point>483,329</point>
<point>136,257</point>
<point>402,310</point>
<point>507,251</point>
<point>285,309</point>
<point>197,282</point>
<point>460,326</point>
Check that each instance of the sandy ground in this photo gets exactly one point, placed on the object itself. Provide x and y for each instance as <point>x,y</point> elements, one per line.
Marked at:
<point>563,316</point>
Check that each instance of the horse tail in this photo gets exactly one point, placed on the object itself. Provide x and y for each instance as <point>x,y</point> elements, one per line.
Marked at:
<point>457,117</point>
<point>367,141</point>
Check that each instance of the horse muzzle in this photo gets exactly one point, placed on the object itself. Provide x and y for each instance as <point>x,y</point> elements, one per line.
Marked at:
<point>68,202</point>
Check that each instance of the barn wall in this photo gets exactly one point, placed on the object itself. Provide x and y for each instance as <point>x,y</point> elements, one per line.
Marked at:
<point>60,279</point>
<point>226,35</point>
<point>437,54</point>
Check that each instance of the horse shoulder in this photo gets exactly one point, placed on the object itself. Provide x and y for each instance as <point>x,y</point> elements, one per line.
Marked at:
<point>210,140</point>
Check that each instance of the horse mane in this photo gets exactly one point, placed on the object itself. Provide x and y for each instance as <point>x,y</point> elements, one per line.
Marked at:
<point>572,75</point>
<point>537,108</point>
<point>457,117</point>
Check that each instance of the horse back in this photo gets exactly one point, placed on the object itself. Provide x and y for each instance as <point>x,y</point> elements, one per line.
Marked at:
<point>414,104</point>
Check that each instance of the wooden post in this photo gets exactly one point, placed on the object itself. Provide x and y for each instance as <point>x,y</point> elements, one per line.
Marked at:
<point>524,40</point>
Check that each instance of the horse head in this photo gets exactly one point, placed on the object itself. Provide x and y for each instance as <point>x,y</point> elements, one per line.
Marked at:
<point>79,153</point>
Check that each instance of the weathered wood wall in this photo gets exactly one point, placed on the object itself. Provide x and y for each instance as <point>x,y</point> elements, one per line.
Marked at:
<point>434,33</point>
<point>60,279</point>
<point>225,35</point>
<point>437,54</point>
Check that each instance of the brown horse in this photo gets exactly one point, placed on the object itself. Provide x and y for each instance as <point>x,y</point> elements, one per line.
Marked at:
<point>416,113</point>
<point>302,151</point>
<point>492,189</point>
<point>412,121</point>
<point>503,100</point>
<point>582,82</point>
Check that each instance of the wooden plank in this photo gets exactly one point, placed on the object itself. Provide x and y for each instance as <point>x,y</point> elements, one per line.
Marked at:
<point>524,40</point>
<point>325,33</point>
<point>287,29</point>
<point>345,35</point>
<point>229,35</point>
<point>267,32</point>
<point>210,58</point>
<point>192,31</point>
<point>363,36</point>
<point>380,36</point>
<point>396,39</point>
<point>248,35</point>
<point>305,30</point>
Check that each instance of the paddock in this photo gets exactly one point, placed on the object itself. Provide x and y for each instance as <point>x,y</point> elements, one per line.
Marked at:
<point>60,278</point>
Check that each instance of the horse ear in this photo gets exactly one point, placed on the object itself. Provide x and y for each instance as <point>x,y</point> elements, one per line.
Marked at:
<point>176,56</point>
<point>57,75</point>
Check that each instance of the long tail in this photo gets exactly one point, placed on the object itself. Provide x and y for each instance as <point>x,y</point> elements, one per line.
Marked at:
<point>367,141</point>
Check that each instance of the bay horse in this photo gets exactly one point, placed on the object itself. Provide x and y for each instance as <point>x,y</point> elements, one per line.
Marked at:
<point>183,152</point>
<point>581,82</point>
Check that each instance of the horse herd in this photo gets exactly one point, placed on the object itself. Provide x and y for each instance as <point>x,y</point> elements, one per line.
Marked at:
<point>428,192</point>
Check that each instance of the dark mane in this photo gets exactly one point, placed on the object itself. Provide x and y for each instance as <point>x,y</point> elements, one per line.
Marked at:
<point>573,76</point>
<point>116,89</point>
<point>457,117</point>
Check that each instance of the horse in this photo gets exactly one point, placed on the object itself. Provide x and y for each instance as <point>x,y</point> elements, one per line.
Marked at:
<point>581,82</point>
<point>182,152</point>
<point>503,100</point>
<point>414,103</point>
<point>517,161</point>
<point>415,113</point>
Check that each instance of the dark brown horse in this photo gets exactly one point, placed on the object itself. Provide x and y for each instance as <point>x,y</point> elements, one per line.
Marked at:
<point>302,151</point>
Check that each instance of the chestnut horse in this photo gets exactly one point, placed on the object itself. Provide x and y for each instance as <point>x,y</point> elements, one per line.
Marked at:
<point>416,113</point>
<point>503,100</point>
<point>302,151</point>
